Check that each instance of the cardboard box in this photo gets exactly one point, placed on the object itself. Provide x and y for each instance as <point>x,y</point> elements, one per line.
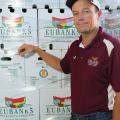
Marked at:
<point>19,104</point>
<point>30,3</point>
<point>110,21</point>
<point>39,74</point>
<point>109,3</point>
<point>52,4</point>
<point>54,118</point>
<point>63,4</point>
<point>56,30</point>
<point>18,27</point>
<point>17,3</point>
<point>12,71</point>
<point>55,103</point>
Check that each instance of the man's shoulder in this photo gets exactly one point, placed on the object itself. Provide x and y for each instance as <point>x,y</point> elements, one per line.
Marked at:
<point>111,39</point>
<point>75,43</point>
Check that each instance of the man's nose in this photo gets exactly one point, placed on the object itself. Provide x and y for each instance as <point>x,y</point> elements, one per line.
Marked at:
<point>80,19</point>
<point>80,16</point>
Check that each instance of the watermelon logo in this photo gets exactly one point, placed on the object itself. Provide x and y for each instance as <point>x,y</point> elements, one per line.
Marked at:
<point>62,23</point>
<point>112,22</point>
<point>15,103</point>
<point>62,102</point>
<point>12,21</point>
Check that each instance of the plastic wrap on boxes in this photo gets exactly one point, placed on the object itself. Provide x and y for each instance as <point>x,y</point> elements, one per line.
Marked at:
<point>110,21</point>
<point>39,74</point>
<point>20,104</point>
<point>12,70</point>
<point>18,27</point>
<point>30,3</point>
<point>55,104</point>
<point>56,29</point>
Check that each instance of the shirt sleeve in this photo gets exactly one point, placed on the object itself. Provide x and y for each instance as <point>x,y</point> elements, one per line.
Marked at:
<point>65,65</point>
<point>115,69</point>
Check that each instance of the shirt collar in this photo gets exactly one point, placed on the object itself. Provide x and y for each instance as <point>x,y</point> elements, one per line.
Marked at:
<point>97,38</point>
<point>81,45</point>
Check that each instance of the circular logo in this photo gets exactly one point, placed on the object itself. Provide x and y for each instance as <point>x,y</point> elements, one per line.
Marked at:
<point>43,73</point>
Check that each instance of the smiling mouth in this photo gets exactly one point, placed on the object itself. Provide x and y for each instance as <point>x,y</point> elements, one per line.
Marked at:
<point>81,24</point>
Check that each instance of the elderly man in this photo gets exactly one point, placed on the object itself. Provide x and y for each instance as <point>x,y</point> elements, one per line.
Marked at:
<point>93,62</point>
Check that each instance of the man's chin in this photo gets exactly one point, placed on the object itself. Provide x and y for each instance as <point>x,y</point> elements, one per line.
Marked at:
<point>84,31</point>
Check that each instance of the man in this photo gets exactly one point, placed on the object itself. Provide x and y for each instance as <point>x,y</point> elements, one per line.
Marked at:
<point>93,61</point>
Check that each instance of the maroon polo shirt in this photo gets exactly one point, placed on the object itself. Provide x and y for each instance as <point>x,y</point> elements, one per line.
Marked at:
<point>92,70</point>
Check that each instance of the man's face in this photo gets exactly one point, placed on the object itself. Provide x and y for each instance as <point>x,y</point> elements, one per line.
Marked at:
<point>86,16</point>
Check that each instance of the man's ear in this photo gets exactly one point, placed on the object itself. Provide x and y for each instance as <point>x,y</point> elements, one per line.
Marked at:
<point>100,13</point>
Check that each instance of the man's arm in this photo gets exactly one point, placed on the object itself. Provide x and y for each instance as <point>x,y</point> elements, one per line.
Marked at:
<point>51,60</point>
<point>116,108</point>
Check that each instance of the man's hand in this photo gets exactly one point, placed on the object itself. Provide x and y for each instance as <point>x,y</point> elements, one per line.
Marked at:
<point>51,60</point>
<point>26,48</point>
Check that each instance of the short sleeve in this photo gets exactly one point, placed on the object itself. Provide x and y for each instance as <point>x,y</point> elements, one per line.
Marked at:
<point>65,63</point>
<point>115,69</point>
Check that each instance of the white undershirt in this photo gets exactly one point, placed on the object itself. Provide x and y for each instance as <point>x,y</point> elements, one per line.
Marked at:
<point>81,45</point>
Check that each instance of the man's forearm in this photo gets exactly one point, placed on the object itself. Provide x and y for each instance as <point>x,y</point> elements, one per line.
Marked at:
<point>116,110</point>
<point>50,59</point>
